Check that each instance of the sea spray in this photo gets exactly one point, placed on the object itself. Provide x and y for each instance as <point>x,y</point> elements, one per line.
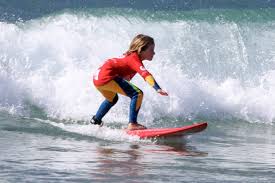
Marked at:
<point>208,68</point>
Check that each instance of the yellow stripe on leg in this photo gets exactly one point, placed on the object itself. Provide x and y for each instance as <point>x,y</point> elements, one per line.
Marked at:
<point>139,100</point>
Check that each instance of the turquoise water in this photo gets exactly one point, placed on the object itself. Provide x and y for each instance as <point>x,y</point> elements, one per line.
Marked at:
<point>215,59</point>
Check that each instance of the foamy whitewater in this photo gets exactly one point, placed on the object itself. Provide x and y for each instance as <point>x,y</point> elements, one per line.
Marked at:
<point>207,68</point>
<point>217,66</point>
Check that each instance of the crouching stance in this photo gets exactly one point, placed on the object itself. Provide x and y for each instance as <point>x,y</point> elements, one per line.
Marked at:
<point>114,77</point>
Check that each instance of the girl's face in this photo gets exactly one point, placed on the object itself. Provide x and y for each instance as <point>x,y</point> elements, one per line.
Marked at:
<point>149,53</point>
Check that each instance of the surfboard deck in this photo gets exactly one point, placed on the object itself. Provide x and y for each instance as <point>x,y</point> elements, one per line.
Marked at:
<point>168,132</point>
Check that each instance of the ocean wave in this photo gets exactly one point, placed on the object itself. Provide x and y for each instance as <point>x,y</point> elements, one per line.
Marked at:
<point>209,69</point>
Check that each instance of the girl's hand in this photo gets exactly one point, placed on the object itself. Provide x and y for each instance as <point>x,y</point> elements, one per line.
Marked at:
<point>162,92</point>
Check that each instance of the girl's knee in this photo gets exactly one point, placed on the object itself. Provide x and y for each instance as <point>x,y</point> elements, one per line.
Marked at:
<point>115,99</point>
<point>138,94</point>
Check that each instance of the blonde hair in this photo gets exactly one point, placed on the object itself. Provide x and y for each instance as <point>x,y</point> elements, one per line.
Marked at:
<point>140,43</point>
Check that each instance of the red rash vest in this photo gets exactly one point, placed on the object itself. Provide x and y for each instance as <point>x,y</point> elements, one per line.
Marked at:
<point>125,67</point>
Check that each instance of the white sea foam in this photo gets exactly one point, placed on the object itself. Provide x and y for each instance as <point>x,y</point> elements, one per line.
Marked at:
<point>103,132</point>
<point>207,69</point>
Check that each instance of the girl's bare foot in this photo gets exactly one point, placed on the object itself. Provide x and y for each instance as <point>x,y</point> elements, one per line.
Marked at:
<point>135,126</point>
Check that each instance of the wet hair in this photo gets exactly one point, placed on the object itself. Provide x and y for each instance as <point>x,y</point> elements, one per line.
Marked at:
<point>140,43</point>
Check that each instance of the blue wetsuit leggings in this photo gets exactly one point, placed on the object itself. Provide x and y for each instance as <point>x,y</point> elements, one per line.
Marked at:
<point>124,87</point>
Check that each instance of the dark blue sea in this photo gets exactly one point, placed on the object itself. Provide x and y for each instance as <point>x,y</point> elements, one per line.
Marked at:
<point>215,58</point>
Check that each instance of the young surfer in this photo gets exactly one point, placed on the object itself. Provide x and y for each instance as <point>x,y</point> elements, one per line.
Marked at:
<point>114,75</point>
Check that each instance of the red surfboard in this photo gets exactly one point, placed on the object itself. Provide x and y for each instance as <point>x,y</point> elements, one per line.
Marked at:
<point>168,132</point>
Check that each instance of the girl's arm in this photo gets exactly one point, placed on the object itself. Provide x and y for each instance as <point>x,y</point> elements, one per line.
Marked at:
<point>151,81</point>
